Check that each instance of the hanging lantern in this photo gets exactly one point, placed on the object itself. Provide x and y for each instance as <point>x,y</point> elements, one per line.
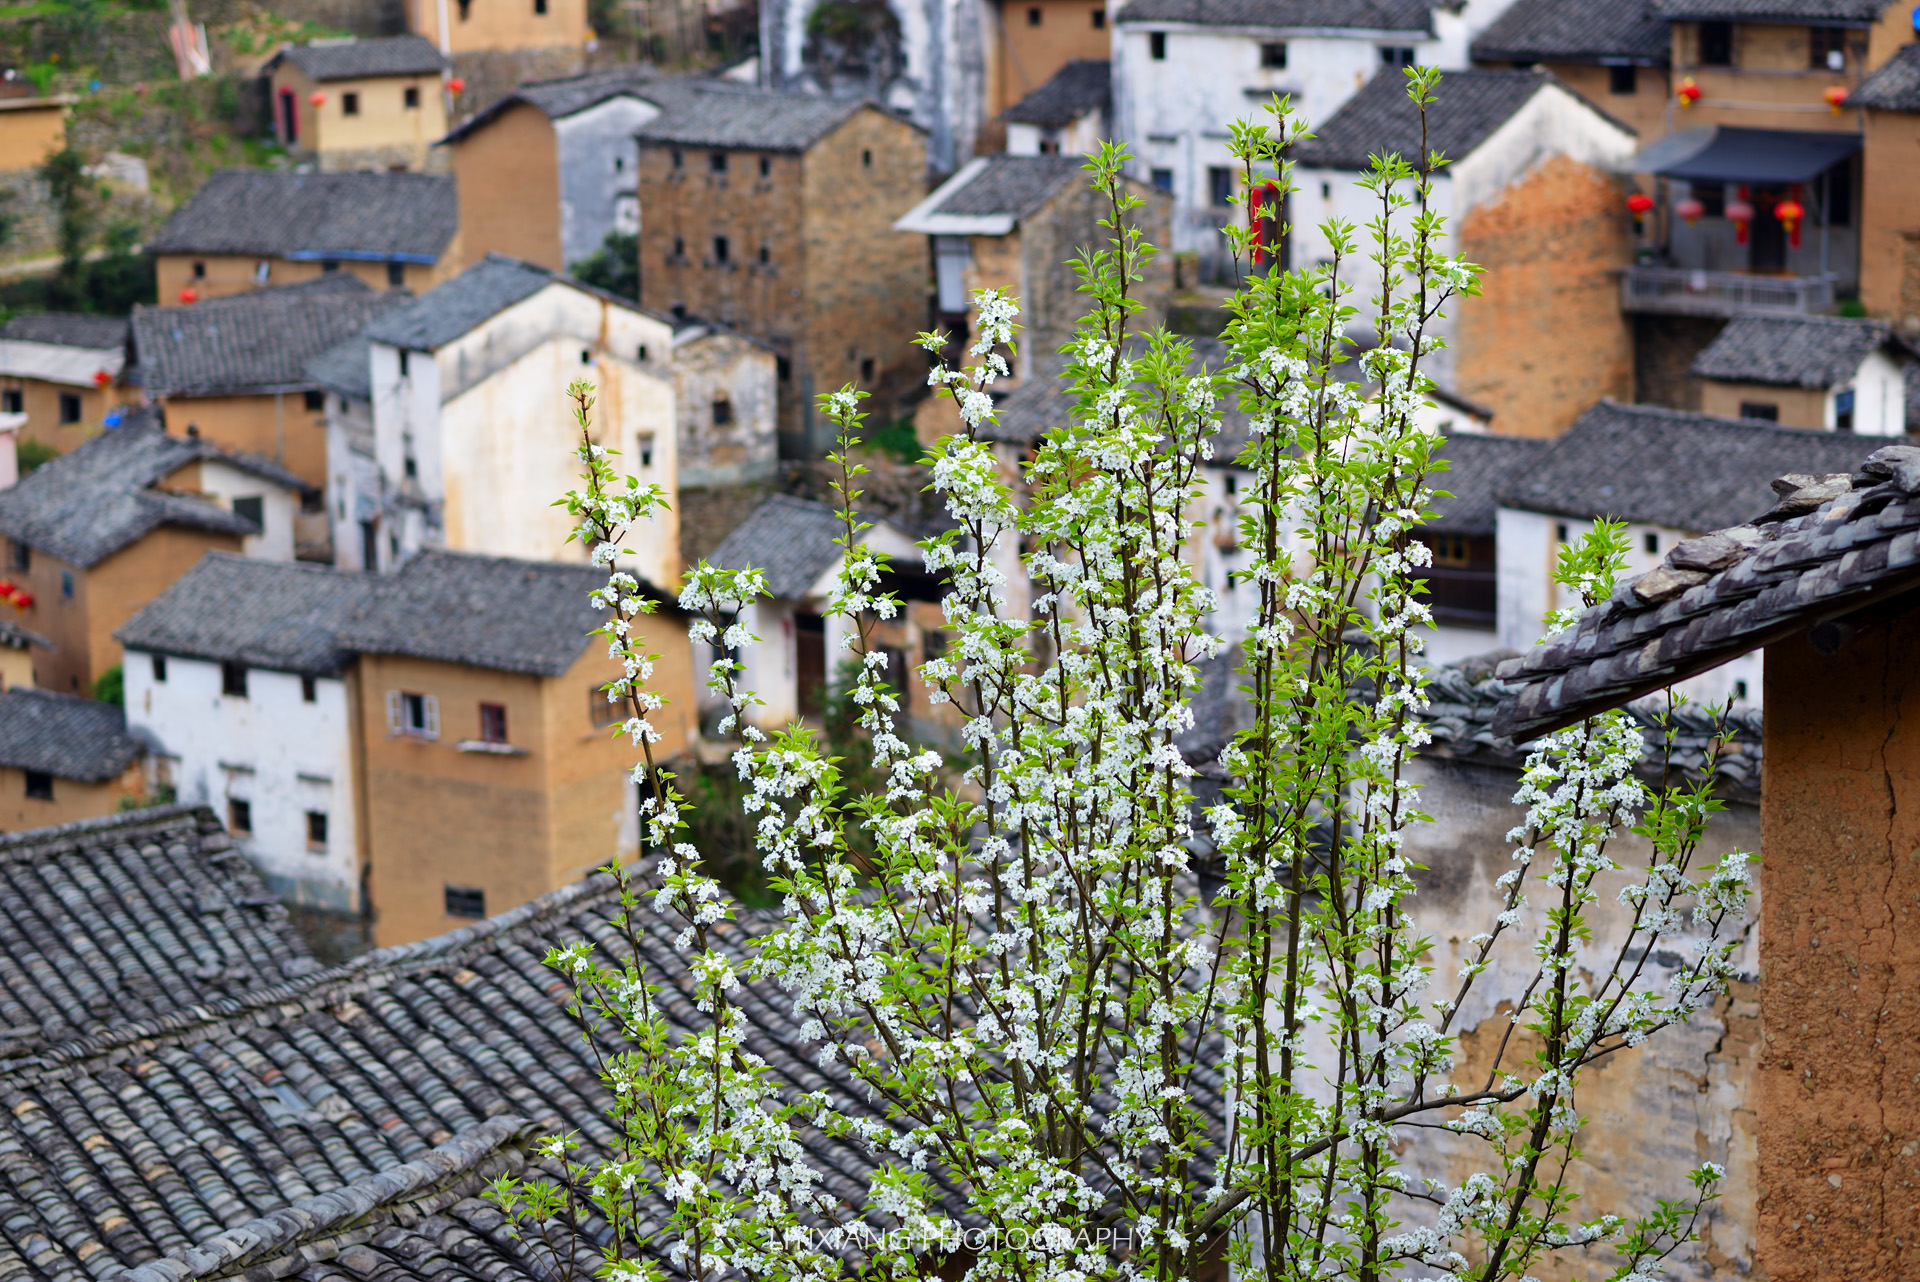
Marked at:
<point>318,99</point>
<point>1836,97</point>
<point>456,86</point>
<point>1790,213</point>
<point>189,295</point>
<point>1740,213</point>
<point>1690,209</point>
<point>6,588</point>
<point>1688,93</point>
<point>1639,204</point>
<point>101,378</point>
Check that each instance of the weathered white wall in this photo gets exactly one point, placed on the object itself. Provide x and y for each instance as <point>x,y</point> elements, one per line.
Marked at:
<point>599,162</point>
<point>1879,398</point>
<point>1077,138</point>
<point>279,506</point>
<point>354,488</point>
<point>708,365</point>
<point>272,749</point>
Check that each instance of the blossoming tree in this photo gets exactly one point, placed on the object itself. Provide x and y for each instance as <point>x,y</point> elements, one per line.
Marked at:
<point>1106,1031</point>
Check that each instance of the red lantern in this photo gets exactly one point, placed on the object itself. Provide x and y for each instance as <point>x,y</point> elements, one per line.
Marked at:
<point>1836,97</point>
<point>1690,209</point>
<point>1638,204</point>
<point>189,295</point>
<point>318,99</point>
<point>101,378</point>
<point>21,600</point>
<point>456,86</point>
<point>1264,211</point>
<point>6,588</point>
<point>1740,213</point>
<point>1688,93</point>
<point>1790,213</point>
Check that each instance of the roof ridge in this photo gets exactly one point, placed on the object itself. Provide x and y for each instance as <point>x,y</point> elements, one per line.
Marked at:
<point>62,839</point>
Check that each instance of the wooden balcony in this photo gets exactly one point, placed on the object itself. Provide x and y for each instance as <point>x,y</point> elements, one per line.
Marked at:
<point>1686,292</point>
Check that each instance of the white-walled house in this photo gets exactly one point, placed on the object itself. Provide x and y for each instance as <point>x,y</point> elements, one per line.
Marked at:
<point>1671,476</point>
<point>234,681</point>
<point>460,434</point>
<point>1070,115</point>
<point>1827,372</point>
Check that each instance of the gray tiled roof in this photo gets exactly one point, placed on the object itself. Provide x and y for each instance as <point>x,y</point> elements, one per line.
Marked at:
<point>67,329</point>
<point>360,59</point>
<point>1083,85</point>
<point>125,918</point>
<point>1894,86</point>
<point>1667,467</point>
<point>487,611</point>
<point>267,614</point>
<point>400,217</point>
<point>1016,186</point>
<point>1411,16</point>
<point>1831,544</point>
<point>708,114</point>
<point>447,311</point>
<point>89,503</point>
<point>64,735</point>
<point>15,637</point>
<point>1478,465</point>
<point>790,539</point>
<point>344,368</point>
<point>1577,30</point>
<point>258,341</point>
<point>562,98</point>
<point>1792,351</point>
<point>1469,106</point>
<point>1788,11</point>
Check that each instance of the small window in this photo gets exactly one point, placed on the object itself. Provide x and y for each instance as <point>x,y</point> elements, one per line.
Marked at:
<point>1712,198</point>
<point>69,408</point>
<point>722,411</point>
<point>1560,532</point>
<point>1843,411</point>
<point>1764,411</point>
<point>1163,180</point>
<point>1033,15</point>
<point>309,690</point>
<point>1827,48</point>
<point>1740,690</point>
<point>866,369</point>
<point>677,158</point>
<point>783,368</point>
<point>349,104</point>
<point>39,785</point>
<point>1099,19</point>
<point>866,158</point>
<point>643,446</point>
<point>466,9</point>
<point>1274,56</point>
<point>1450,549</point>
<point>1157,46</point>
<point>411,467</point>
<point>233,679</point>
<point>316,830</point>
<point>1652,543</point>
<point>493,723</point>
<point>199,271</point>
<point>1233,485</point>
<point>720,248</point>
<point>66,584</point>
<point>1623,80</point>
<point>1220,185</point>
<point>1396,56</point>
<point>396,275</point>
<point>1839,188</point>
<point>329,266</point>
<point>251,508</point>
<point>640,352</point>
<point>601,711</point>
<point>679,248</point>
<point>466,901</point>
<point>239,815</point>
<point>717,162</point>
<point>410,98</point>
<point>586,356</point>
<point>403,362</point>
<point>160,669</point>
<point>22,557</point>
<point>1716,44</point>
<point>766,253</point>
<point>539,8</point>
<point>13,401</point>
<point>766,166</point>
<point>413,714</point>
<point>262,272</point>
<point>316,400</point>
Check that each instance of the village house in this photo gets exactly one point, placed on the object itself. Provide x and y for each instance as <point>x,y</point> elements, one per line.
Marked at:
<point>233,370</point>
<point>459,433</point>
<point>1670,476</point>
<point>774,214</point>
<point>97,533</point>
<point>17,645</point>
<point>235,682</point>
<point>1822,583</point>
<point>63,371</point>
<point>1529,195</point>
<point>249,228</point>
<point>463,27</point>
<point>374,105</point>
<point>1823,372</point>
<point>1888,102</point>
<point>1613,55</point>
<point>546,172</point>
<point>1014,223</point>
<point>63,758</point>
<point>492,772</point>
<point>1035,43</point>
<point>1071,114</point>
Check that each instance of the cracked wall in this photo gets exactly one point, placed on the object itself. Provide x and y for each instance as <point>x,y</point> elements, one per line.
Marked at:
<point>1838,1084</point>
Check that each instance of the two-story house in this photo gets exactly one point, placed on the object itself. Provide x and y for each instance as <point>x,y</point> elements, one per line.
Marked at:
<point>1615,55</point>
<point>63,758</point>
<point>774,213</point>
<point>1034,42</point>
<point>63,371</point>
<point>460,433</point>
<point>97,533</point>
<point>1826,372</point>
<point>360,104</point>
<point>460,27</point>
<point>249,228</point>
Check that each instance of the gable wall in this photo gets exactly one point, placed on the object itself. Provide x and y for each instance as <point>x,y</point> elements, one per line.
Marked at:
<point>508,179</point>
<point>272,425</point>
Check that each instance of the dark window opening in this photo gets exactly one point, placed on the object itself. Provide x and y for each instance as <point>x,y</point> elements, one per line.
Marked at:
<point>677,158</point>
<point>233,679</point>
<point>1764,411</point>
<point>717,162</point>
<point>39,785</point>
<point>866,369</point>
<point>720,248</point>
<point>1099,19</point>
<point>1396,56</point>
<point>679,248</point>
<point>466,901</point>
<point>349,104</point>
<point>722,411</point>
<point>1623,80</point>
<point>160,668</point>
<point>309,690</point>
<point>329,266</point>
<point>766,255</point>
<point>602,711</point>
<point>645,448</point>
<point>13,401</point>
<point>199,271</point>
<point>410,97</point>
<point>69,408</point>
<point>679,310</point>
<point>1462,581</point>
<point>369,545</point>
<point>1652,544</point>
<point>252,508</point>
<point>866,159</point>
<point>411,466</point>
<point>766,166</point>
<point>1220,185</point>
<point>586,356</point>
<point>1837,185</point>
<point>783,368</point>
<point>22,558</point>
<point>539,8</point>
<point>1163,180</point>
<point>239,815</point>
<point>493,723</point>
<point>1843,411</point>
<point>1712,198</point>
<point>1157,46</point>
<point>640,352</point>
<point>1740,690</point>
<point>66,584</point>
<point>396,275</point>
<point>1716,44</point>
<point>1560,532</point>
<point>1273,56</point>
<point>403,363</point>
<point>810,662</point>
<point>1827,48</point>
<point>315,399</point>
<point>1033,15</point>
<point>316,830</point>
<point>466,9</point>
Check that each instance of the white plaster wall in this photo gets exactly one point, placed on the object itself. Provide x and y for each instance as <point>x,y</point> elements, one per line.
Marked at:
<point>272,749</point>
<point>1554,122</point>
<point>1079,137</point>
<point>353,477</point>
<point>226,483</point>
<point>768,663</point>
<point>599,162</point>
<point>1879,398</point>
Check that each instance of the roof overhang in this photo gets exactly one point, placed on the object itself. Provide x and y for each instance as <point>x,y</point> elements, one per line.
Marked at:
<point>926,218</point>
<point>353,256</point>
<point>1719,153</point>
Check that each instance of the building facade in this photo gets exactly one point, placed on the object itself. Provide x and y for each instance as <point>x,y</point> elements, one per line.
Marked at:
<point>375,105</point>
<point>63,371</point>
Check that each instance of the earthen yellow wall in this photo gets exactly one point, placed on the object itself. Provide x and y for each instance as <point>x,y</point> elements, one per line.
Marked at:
<point>1027,56</point>
<point>508,176</point>
<point>501,24</point>
<point>229,274</point>
<point>71,799</point>
<point>16,666</point>
<point>1770,84</point>
<point>41,400</point>
<point>1799,406</point>
<point>28,135</point>
<point>297,440</point>
<point>1836,1095</point>
<point>1551,245</point>
<point>1645,109</point>
<point>1890,217</point>
<point>385,123</point>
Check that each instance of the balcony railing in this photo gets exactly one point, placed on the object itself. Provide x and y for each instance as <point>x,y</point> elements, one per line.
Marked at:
<point>1704,293</point>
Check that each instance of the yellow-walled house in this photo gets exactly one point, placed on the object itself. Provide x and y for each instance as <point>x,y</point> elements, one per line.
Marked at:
<point>17,645</point>
<point>487,26</point>
<point>63,758</point>
<point>374,105</point>
<point>62,370</point>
